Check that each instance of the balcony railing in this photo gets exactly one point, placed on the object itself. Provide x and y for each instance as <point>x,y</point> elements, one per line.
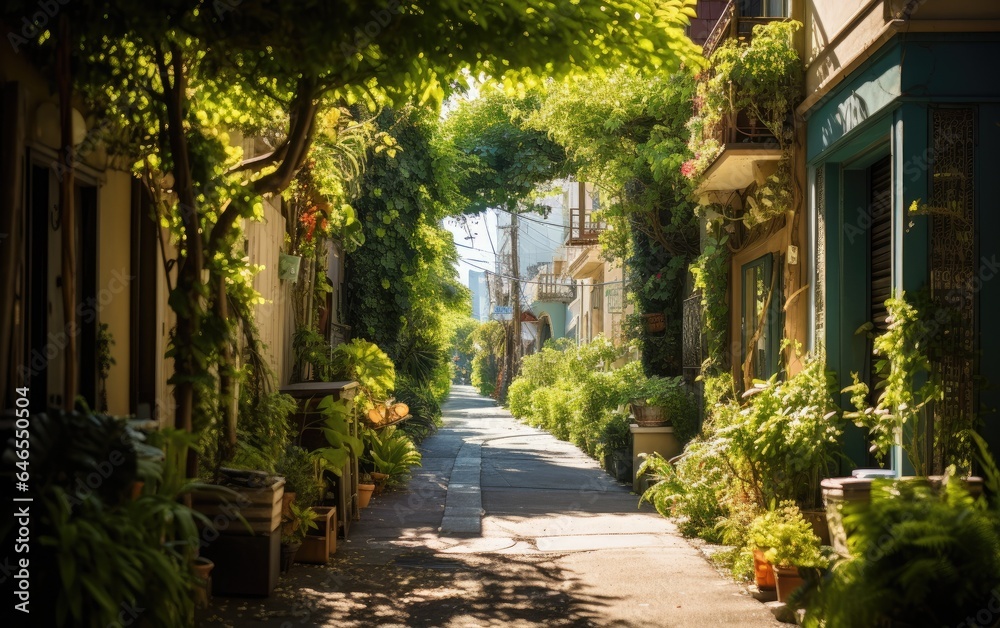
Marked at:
<point>552,287</point>
<point>583,228</point>
<point>743,129</point>
<point>732,24</point>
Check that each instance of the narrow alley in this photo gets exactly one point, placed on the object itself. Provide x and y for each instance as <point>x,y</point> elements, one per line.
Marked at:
<point>503,525</point>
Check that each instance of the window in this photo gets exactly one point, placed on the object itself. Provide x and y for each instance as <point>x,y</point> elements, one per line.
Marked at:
<point>761,317</point>
<point>764,8</point>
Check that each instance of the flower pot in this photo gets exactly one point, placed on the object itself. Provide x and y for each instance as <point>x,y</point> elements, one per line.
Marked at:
<point>648,416</point>
<point>856,492</point>
<point>288,267</point>
<point>654,323</point>
<point>763,573</point>
<point>286,503</point>
<point>365,494</point>
<point>787,580</point>
<point>820,524</point>
<point>203,585</point>
<point>288,551</point>
<point>380,480</point>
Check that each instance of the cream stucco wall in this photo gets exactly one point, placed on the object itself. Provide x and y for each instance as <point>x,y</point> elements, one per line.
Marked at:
<point>113,280</point>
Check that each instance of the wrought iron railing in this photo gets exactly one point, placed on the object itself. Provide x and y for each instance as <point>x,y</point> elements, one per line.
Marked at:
<point>742,128</point>
<point>691,333</point>
<point>721,29</point>
<point>732,24</point>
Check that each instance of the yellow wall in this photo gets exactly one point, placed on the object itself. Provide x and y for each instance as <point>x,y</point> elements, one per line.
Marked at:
<point>113,280</point>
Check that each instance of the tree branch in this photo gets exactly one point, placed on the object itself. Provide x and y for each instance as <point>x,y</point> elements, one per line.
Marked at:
<point>294,150</point>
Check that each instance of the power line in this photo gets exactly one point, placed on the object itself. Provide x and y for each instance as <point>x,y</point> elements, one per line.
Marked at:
<point>504,276</point>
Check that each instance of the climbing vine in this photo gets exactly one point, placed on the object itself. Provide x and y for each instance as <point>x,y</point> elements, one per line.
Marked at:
<point>711,279</point>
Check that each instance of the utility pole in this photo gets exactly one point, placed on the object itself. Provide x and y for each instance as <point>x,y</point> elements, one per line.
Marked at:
<point>515,292</point>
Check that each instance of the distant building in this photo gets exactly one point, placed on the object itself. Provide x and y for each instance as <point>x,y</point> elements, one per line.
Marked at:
<point>480,295</point>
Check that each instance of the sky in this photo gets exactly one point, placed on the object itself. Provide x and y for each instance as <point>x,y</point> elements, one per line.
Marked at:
<point>483,242</point>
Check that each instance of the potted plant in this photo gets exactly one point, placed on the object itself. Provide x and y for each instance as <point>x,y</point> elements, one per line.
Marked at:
<point>616,438</point>
<point>895,420</point>
<point>392,454</point>
<point>294,529</point>
<point>659,400</point>
<point>366,486</point>
<point>919,556</point>
<point>298,467</point>
<point>788,543</point>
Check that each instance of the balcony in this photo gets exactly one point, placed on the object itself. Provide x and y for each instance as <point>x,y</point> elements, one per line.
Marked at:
<point>583,228</point>
<point>583,200</point>
<point>583,261</point>
<point>749,152</point>
<point>550,287</point>
<point>738,19</point>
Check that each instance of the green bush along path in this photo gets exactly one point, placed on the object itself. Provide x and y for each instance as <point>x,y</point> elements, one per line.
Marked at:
<point>503,525</point>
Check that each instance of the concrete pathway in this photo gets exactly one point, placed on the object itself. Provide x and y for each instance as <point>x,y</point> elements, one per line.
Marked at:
<point>503,525</point>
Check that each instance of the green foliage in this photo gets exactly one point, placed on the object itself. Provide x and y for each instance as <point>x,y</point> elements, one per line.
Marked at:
<point>425,409</point>
<point>298,467</point>
<point>761,76</point>
<point>784,441</point>
<point>903,362</point>
<point>97,548</point>
<point>498,161</point>
<point>672,394</point>
<point>462,348</point>
<point>263,430</point>
<point>489,341</point>
<point>573,392</point>
<point>297,523</point>
<point>787,538</point>
<point>625,132</point>
<point>393,453</point>
<point>616,433</point>
<point>342,444</point>
<point>365,363</point>
<point>711,279</point>
<point>917,557</point>
<point>689,491</point>
<point>400,290</point>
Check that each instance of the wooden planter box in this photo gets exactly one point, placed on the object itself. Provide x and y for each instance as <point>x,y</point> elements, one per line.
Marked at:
<point>320,543</point>
<point>261,507</point>
<point>247,562</point>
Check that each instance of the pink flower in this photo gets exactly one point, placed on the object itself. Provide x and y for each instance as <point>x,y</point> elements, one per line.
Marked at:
<point>688,168</point>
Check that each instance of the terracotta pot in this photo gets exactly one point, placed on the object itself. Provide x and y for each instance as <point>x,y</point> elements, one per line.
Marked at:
<point>203,584</point>
<point>787,580</point>
<point>365,494</point>
<point>648,416</point>
<point>763,573</point>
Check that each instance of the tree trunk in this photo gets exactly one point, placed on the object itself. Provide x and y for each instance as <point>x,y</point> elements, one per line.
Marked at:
<point>68,213</point>
<point>187,300</point>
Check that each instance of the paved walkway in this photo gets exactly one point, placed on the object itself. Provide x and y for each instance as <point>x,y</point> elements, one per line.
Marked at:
<point>503,525</point>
